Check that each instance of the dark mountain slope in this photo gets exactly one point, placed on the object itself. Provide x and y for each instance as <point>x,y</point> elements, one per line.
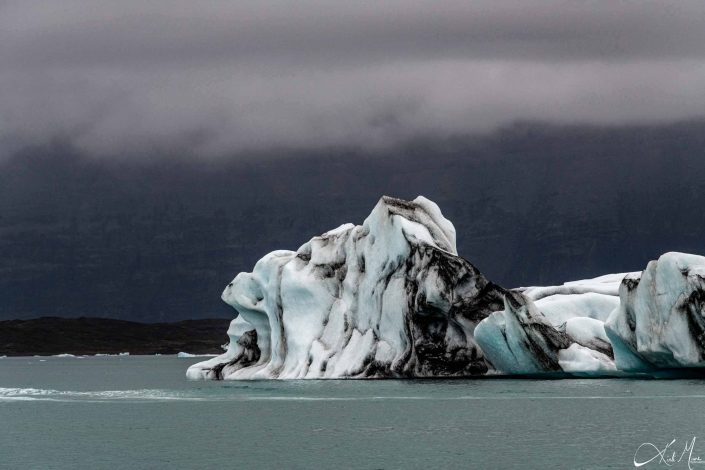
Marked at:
<point>51,335</point>
<point>157,239</point>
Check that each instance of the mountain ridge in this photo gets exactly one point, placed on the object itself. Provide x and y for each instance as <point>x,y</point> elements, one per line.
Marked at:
<point>157,238</point>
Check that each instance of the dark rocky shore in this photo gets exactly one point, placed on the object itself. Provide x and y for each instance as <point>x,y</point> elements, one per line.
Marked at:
<point>52,335</point>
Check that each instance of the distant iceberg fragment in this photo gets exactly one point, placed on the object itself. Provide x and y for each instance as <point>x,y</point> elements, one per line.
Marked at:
<point>185,354</point>
<point>392,298</point>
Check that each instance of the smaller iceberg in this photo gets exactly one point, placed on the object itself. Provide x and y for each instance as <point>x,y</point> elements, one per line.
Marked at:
<point>185,354</point>
<point>660,322</point>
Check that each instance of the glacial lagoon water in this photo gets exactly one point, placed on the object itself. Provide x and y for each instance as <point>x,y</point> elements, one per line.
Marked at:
<point>140,412</point>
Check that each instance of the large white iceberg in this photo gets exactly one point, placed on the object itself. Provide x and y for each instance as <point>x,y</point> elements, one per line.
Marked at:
<point>388,298</point>
<point>392,298</point>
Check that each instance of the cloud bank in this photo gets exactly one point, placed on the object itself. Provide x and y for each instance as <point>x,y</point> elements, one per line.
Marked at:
<point>213,78</point>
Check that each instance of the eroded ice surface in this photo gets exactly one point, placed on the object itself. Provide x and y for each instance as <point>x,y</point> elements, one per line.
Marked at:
<point>392,298</point>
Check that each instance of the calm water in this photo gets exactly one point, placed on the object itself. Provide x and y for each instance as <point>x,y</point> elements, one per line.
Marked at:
<point>140,412</point>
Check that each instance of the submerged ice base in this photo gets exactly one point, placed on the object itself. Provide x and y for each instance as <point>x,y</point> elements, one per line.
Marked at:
<point>392,298</point>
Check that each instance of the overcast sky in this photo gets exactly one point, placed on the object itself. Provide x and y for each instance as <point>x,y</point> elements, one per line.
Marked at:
<point>224,77</point>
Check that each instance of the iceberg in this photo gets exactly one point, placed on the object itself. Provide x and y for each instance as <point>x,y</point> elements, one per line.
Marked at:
<point>659,323</point>
<point>183,354</point>
<point>388,298</point>
<point>391,298</point>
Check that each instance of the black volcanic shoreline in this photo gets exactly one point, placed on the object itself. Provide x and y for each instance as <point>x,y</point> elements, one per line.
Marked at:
<point>53,335</point>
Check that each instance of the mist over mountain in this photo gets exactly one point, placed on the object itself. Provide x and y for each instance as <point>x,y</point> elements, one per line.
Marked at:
<point>156,238</point>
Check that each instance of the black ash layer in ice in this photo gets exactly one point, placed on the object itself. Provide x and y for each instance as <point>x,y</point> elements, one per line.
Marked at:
<point>392,298</point>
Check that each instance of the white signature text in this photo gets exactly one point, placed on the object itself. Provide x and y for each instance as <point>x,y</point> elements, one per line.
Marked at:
<point>668,454</point>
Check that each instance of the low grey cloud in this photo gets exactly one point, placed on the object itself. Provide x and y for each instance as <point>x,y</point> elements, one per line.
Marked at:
<point>214,78</point>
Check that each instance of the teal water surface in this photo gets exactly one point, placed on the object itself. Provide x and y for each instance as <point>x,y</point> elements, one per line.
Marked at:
<point>141,412</point>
